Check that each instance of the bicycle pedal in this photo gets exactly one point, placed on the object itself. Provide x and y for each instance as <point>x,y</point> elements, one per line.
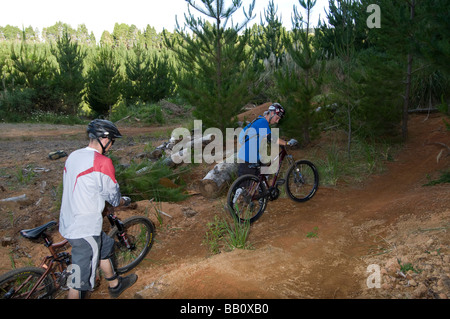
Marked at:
<point>280,182</point>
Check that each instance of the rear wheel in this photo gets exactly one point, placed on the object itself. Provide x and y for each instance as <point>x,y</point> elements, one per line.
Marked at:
<point>131,247</point>
<point>302,181</point>
<point>17,284</point>
<point>247,198</point>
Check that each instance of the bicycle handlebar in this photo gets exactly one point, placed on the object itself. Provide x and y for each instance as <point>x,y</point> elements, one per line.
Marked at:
<point>109,209</point>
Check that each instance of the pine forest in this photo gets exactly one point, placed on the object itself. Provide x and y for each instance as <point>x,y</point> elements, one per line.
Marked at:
<point>362,69</point>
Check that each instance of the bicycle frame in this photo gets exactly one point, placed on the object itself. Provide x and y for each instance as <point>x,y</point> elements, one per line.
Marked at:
<point>48,263</point>
<point>249,194</point>
<point>282,155</point>
<point>57,259</point>
<point>55,265</point>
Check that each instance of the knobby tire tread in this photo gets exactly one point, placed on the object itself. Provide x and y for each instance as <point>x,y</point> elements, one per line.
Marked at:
<point>150,231</point>
<point>231,192</point>
<point>315,185</point>
<point>16,273</point>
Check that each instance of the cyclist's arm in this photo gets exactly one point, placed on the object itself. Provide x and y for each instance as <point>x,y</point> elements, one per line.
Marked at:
<point>281,142</point>
<point>275,139</point>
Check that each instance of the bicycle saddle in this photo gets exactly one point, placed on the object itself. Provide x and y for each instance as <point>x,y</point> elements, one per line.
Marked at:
<point>36,232</point>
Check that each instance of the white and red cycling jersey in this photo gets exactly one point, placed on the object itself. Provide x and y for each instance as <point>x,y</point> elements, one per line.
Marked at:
<point>88,181</point>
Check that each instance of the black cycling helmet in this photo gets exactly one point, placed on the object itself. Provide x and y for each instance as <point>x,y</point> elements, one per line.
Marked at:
<point>278,109</point>
<point>103,129</point>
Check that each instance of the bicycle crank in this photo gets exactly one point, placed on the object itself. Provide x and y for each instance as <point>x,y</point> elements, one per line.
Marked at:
<point>274,193</point>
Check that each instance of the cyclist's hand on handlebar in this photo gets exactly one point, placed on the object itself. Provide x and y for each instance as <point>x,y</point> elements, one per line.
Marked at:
<point>126,201</point>
<point>292,142</point>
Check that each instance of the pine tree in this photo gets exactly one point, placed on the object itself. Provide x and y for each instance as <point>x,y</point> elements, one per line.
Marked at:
<point>9,32</point>
<point>300,81</point>
<point>343,18</point>
<point>135,67</point>
<point>433,41</point>
<point>29,62</point>
<point>379,114</point>
<point>103,82</point>
<point>149,77</point>
<point>56,31</point>
<point>69,77</point>
<point>152,40</point>
<point>269,41</point>
<point>433,47</point>
<point>106,39</point>
<point>346,78</point>
<point>33,72</point>
<point>396,39</point>
<point>216,73</point>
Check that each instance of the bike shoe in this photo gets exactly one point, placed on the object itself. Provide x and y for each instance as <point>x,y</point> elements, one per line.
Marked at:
<point>124,284</point>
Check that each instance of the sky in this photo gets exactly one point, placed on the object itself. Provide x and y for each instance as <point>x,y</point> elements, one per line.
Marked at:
<point>101,15</point>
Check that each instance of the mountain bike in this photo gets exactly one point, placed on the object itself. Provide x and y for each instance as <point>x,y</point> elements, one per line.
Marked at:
<point>133,240</point>
<point>248,196</point>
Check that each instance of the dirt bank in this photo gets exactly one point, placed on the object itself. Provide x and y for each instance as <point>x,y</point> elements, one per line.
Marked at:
<point>392,226</point>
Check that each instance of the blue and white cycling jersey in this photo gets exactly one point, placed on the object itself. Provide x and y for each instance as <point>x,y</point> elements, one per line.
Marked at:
<point>250,138</point>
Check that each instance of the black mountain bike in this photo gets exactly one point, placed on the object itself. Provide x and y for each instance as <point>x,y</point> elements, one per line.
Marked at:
<point>249,194</point>
<point>133,240</point>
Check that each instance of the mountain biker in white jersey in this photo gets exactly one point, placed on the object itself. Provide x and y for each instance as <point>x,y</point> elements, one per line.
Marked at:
<point>88,181</point>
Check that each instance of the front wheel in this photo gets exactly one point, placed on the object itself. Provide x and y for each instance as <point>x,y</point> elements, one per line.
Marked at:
<point>247,198</point>
<point>302,181</point>
<point>133,244</point>
<point>18,283</point>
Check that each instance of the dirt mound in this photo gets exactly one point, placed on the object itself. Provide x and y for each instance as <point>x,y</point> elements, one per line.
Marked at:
<point>392,218</point>
<point>253,112</point>
<point>392,231</point>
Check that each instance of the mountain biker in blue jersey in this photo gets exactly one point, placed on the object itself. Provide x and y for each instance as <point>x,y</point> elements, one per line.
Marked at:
<point>252,136</point>
<point>88,182</point>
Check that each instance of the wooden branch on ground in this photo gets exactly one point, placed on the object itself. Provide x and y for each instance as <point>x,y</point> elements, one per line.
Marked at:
<point>438,157</point>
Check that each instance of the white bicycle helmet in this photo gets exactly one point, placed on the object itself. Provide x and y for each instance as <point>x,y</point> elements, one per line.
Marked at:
<point>278,109</point>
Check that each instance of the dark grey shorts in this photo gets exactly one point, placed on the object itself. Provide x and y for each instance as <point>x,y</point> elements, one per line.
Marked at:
<point>86,254</point>
<point>244,169</point>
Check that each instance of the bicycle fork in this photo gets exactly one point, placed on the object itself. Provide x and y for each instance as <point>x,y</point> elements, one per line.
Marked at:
<point>121,234</point>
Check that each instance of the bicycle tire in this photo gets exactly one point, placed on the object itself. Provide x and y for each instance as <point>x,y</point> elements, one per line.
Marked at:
<point>140,232</point>
<point>302,181</point>
<point>253,194</point>
<point>11,281</point>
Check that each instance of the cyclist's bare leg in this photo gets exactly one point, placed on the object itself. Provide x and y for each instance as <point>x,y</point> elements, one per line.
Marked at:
<point>77,294</point>
<point>106,267</point>
<point>108,271</point>
<point>73,294</point>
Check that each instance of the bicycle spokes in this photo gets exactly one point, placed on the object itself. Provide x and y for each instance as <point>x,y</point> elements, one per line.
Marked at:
<point>133,243</point>
<point>246,198</point>
<point>298,177</point>
<point>302,181</point>
<point>23,284</point>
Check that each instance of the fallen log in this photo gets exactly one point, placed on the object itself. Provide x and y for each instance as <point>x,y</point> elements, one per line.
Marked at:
<point>178,153</point>
<point>217,179</point>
